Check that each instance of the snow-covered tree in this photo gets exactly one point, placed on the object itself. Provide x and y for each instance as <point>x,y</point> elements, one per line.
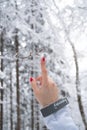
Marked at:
<point>31,29</point>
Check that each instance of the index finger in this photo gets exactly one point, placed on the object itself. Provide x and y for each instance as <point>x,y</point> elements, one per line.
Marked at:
<point>44,72</point>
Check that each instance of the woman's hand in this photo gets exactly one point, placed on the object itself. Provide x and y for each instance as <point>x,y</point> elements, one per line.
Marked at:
<point>46,92</point>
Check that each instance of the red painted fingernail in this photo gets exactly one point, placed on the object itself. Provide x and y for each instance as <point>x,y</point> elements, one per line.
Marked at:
<point>43,59</point>
<point>31,79</point>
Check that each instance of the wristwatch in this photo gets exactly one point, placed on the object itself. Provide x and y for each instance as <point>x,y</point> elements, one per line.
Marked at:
<point>54,107</point>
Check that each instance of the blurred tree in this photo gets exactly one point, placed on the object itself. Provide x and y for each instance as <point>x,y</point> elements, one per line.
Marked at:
<point>1,81</point>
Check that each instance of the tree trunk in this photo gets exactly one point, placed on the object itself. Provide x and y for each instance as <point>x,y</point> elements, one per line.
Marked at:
<point>81,108</point>
<point>32,103</point>
<point>17,83</point>
<point>11,99</point>
<point>1,80</point>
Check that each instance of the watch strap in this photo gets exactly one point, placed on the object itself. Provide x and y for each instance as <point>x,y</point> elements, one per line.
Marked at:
<point>54,107</point>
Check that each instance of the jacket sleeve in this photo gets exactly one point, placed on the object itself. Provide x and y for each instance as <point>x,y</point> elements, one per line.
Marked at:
<point>60,120</point>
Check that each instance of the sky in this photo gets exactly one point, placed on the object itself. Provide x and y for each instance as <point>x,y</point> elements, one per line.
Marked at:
<point>64,3</point>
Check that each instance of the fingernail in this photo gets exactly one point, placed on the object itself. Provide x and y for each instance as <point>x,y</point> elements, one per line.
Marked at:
<point>43,59</point>
<point>31,79</point>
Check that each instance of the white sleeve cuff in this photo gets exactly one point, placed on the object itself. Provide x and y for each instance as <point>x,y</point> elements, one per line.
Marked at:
<point>60,120</point>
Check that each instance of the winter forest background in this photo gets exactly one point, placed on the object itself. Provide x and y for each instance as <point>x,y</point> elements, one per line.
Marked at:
<point>30,29</point>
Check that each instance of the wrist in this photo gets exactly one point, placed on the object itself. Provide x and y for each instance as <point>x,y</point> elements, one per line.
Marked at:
<point>49,103</point>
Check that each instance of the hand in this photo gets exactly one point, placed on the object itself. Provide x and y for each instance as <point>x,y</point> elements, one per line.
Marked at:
<point>47,91</point>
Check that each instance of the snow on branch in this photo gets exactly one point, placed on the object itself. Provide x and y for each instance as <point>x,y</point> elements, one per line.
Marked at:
<point>2,75</point>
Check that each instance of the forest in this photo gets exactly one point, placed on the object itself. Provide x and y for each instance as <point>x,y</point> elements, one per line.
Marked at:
<point>30,29</point>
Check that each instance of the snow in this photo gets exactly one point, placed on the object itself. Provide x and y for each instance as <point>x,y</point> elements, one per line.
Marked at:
<point>44,29</point>
<point>2,75</point>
